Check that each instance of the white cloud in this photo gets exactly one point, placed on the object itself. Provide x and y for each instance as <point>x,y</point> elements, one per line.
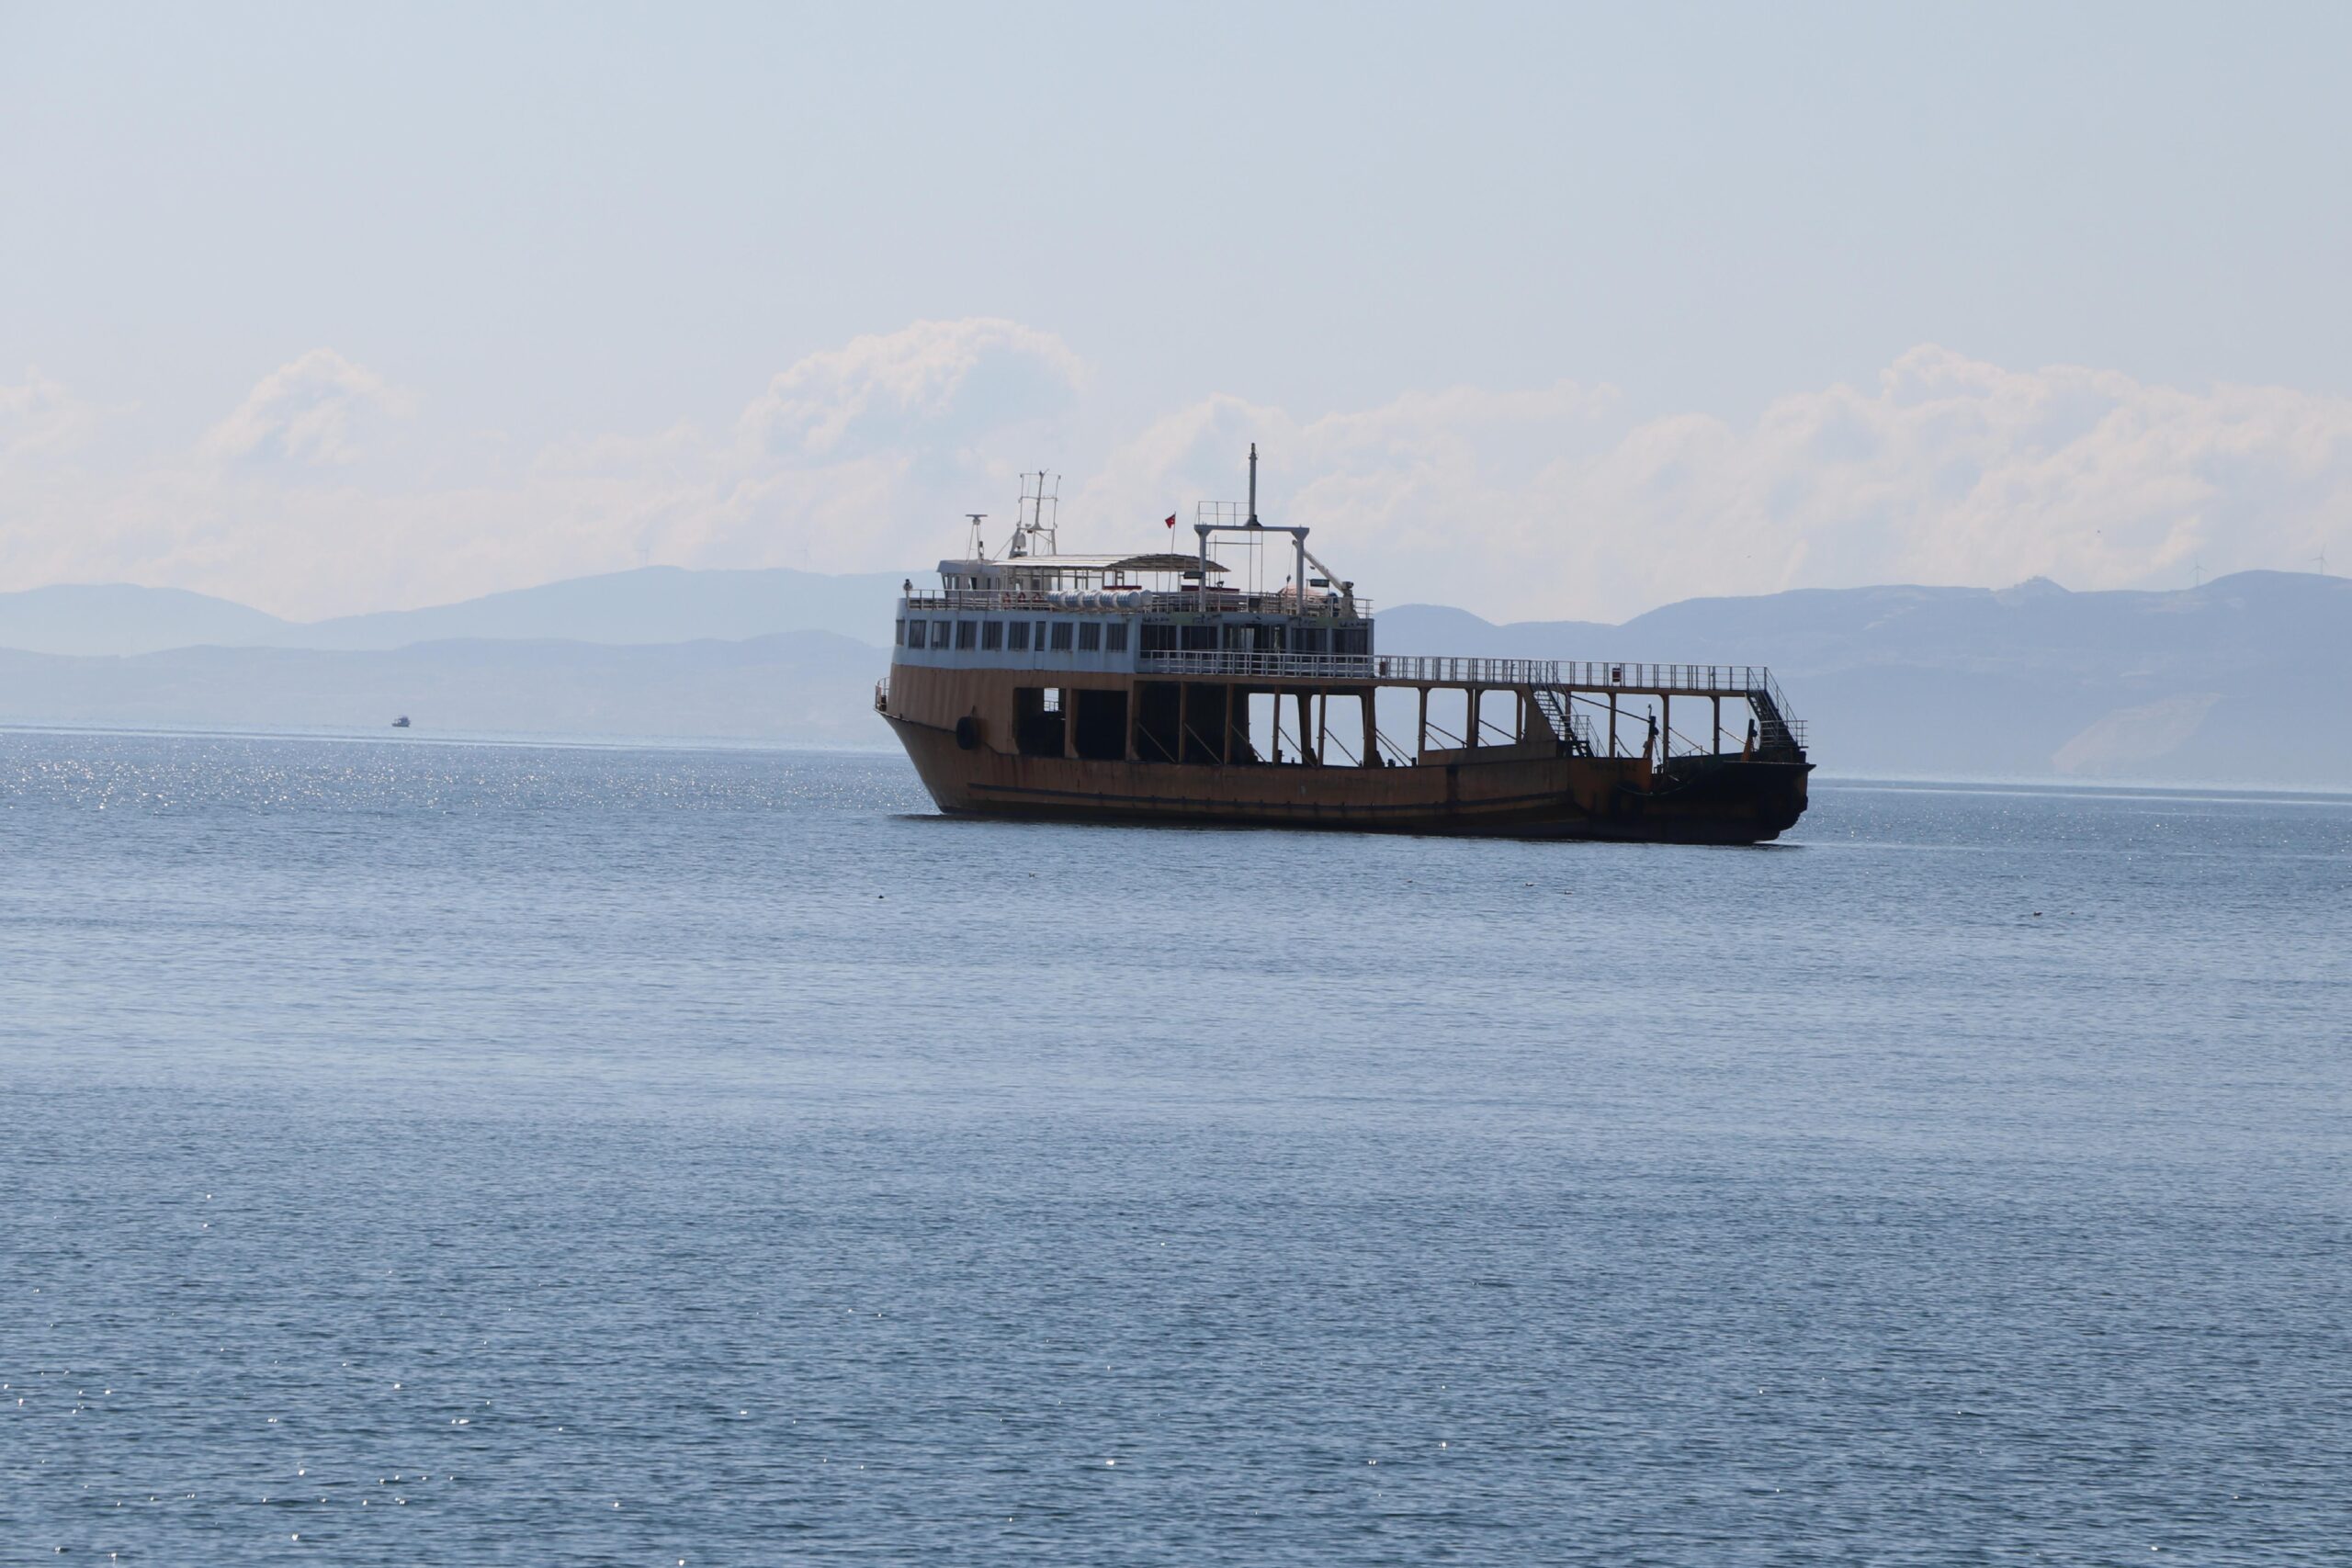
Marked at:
<point>304,411</point>
<point>1956,471</point>
<point>1544,503</point>
<point>930,384</point>
<point>40,418</point>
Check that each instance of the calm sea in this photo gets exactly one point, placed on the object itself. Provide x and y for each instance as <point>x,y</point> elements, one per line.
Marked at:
<point>421,1153</point>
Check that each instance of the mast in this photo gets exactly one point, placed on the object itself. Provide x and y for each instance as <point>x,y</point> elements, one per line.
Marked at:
<point>1201,578</point>
<point>1031,531</point>
<point>1253,484</point>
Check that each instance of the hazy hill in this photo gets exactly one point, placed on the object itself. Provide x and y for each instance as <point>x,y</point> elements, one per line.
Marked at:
<point>116,617</point>
<point>2248,679</point>
<point>798,686</point>
<point>653,605</point>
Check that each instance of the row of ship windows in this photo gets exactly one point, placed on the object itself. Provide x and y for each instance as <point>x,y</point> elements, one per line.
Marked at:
<point>1016,636</point>
<point>1209,636</point>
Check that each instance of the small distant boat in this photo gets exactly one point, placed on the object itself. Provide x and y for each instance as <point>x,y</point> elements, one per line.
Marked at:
<point>401,723</point>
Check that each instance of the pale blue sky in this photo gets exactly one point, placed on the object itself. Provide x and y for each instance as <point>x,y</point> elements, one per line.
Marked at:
<point>550,222</point>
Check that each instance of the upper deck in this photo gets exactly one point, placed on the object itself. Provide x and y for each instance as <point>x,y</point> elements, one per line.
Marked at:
<point>1033,607</point>
<point>1131,599</point>
<point>1119,614</point>
<point>1113,630</point>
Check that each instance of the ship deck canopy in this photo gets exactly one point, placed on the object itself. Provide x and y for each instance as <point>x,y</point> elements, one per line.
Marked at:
<point>1161,562</point>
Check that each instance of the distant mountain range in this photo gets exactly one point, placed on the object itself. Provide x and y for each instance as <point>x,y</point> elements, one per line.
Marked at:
<point>2245,679</point>
<point>652,604</point>
<point>809,687</point>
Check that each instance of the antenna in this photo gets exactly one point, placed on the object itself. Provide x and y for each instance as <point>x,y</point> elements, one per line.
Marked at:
<point>1040,511</point>
<point>1253,484</point>
<point>980,551</point>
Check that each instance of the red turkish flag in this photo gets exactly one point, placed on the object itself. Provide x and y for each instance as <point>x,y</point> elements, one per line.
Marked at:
<point>1172,521</point>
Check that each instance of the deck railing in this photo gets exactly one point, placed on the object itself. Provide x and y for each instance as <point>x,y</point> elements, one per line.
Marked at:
<point>1232,661</point>
<point>1415,670</point>
<point>1594,675</point>
<point>1185,602</point>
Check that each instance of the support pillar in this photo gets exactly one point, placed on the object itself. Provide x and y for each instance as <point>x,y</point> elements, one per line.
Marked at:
<point>1322,724</point>
<point>1305,714</point>
<point>1716,746</point>
<point>1371,752</point>
<point>1471,739</point>
<point>1665,726</point>
<point>1422,739</point>
<point>1069,721</point>
<point>1612,724</point>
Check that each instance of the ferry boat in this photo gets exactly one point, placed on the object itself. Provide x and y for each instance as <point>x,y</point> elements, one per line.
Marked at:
<point>1172,687</point>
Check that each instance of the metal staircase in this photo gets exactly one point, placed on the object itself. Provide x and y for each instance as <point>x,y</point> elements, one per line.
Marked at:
<point>1776,732</point>
<point>1778,735</point>
<point>1574,728</point>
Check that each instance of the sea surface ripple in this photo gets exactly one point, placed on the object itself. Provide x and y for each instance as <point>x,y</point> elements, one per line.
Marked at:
<point>431,1152</point>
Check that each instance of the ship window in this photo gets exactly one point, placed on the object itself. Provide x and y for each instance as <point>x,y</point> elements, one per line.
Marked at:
<point>1061,636</point>
<point>1040,643</point>
<point>914,634</point>
<point>1200,638</point>
<point>1159,636</point>
<point>1017,637</point>
<point>902,629</point>
<point>939,634</point>
<point>1353,641</point>
<point>1117,642</point>
<point>967,634</point>
<point>991,635</point>
<point>1090,638</point>
<point>1308,639</point>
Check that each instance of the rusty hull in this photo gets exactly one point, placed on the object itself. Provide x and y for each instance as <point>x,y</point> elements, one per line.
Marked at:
<point>1519,791</point>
